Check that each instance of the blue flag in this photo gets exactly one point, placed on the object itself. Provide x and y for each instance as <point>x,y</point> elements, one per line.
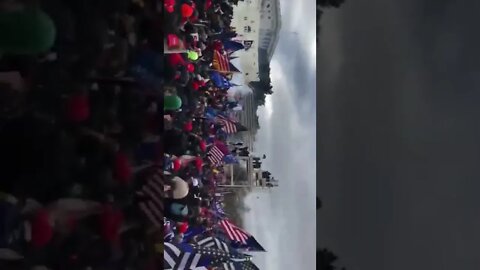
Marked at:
<point>219,80</point>
<point>230,159</point>
<point>232,46</point>
<point>218,209</point>
<point>210,113</point>
<point>192,232</point>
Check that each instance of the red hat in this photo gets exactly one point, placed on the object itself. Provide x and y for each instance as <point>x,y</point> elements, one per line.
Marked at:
<point>183,227</point>
<point>199,163</point>
<point>110,223</point>
<point>203,146</point>
<point>169,5</point>
<point>78,108</point>
<point>176,59</point>
<point>208,4</point>
<point>195,85</point>
<point>187,11</point>
<point>190,67</point>
<point>122,168</point>
<point>172,41</point>
<point>188,126</point>
<point>177,164</point>
<point>42,230</point>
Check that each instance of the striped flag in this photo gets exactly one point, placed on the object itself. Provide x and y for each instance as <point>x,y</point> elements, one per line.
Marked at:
<point>186,256</point>
<point>150,198</point>
<point>229,126</point>
<point>240,266</point>
<point>229,266</point>
<point>218,257</point>
<point>233,232</point>
<point>215,155</point>
<point>251,245</point>
<point>220,62</point>
<point>180,257</point>
<point>213,242</point>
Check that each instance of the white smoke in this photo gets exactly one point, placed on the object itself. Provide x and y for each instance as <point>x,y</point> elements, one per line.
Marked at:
<point>243,88</point>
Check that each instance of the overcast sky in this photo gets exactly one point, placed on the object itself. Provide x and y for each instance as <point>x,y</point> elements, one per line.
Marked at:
<point>283,220</point>
<point>399,134</point>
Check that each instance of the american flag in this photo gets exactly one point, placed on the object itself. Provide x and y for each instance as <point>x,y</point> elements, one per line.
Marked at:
<point>233,232</point>
<point>229,126</point>
<point>215,155</point>
<point>218,257</point>
<point>150,198</point>
<point>240,266</point>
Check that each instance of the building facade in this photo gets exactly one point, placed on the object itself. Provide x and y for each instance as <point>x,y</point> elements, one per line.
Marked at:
<point>246,21</point>
<point>258,21</point>
<point>256,178</point>
<point>270,25</point>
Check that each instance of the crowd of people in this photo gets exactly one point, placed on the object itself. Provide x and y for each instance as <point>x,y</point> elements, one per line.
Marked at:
<point>199,116</point>
<point>199,119</point>
<point>95,173</point>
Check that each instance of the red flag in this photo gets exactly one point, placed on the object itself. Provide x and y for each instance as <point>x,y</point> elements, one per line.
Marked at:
<point>233,232</point>
<point>215,155</point>
<point>228,125</point>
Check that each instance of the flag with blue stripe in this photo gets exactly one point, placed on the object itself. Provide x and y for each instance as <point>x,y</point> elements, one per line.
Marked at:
<point>188,257</point>
<point>213,242</point>
<point>240,266</point>
<point>251,244</point>
<point>182,257</point>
